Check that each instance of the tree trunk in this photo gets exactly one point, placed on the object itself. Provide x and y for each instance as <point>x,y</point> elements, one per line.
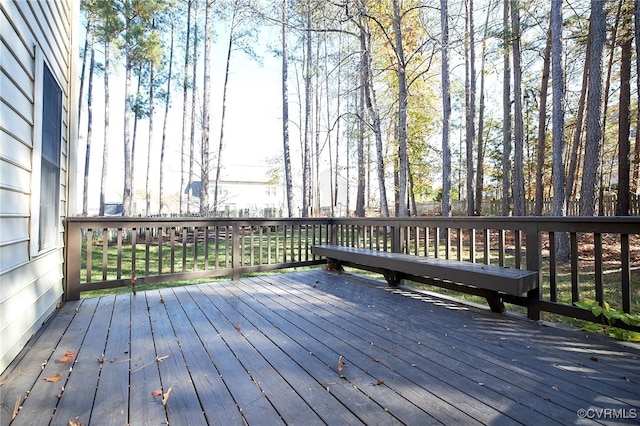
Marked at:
<point>446,111</point>
<point>128,181</point>
<point>518,155</point>
<point>87,157</point>
<point>285,113</point>
<point>402,112</point>
<point>593,143</point>
<point>374,114</point>
<point>150,140</point>
<point>194,104</point>
<point>106,139</point>
<point>164,129</point>
<point>480,154</point>
<point>506,114</point>
<point>361,122</point>
<point>572,175</point>
<point>558,175</point>
<point>206,105</point>
<point>470,110</point>
<point>542,121</point>
<point>306,163</point>
<point>84,66</point>
<point>636,148</point>
<point>224,110</point>
<point>624,123</point>
<point>185,87</point>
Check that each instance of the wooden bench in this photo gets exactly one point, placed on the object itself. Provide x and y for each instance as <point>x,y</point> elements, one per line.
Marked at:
<point>495,283</point>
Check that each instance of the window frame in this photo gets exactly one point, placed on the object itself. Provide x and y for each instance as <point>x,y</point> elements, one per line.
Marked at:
<point>36,246</point>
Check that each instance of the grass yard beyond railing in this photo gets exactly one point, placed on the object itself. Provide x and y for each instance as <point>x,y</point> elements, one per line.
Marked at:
<point>600,274</point>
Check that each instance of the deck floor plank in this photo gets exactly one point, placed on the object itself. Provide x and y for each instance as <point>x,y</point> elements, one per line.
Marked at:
<point>182,404</point>
<point>216,401</point>
<point>301,348</point>
<point>249,398</point>
<point>17,382</point>
<point>474,353</point>
<point>77,399</point>
<point>276,349</point>
<point>111,404</point>
<point>504,348</point>
<point>265,350</point>
<point>401,356</point>
<point>290,405</point>
<point>43,398</point>
<point>364,372</point>
<point>144,377</point>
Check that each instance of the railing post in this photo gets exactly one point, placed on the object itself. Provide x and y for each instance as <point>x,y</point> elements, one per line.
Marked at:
<point>396,238</point>
<point>73,262</point>
<point>333,232</point>
<point>533,248</point>
<point>235,252</point>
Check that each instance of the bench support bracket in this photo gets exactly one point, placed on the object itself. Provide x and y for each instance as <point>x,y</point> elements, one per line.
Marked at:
<point>393,278</point>
<point>495,301</point>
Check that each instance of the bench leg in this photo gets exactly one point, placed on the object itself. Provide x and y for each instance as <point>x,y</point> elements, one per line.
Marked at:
<point>334,265</point>
<point>495,301</point>
<point>393,278</point>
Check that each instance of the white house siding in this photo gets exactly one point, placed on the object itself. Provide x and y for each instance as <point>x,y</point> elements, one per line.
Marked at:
<point>31,281</point>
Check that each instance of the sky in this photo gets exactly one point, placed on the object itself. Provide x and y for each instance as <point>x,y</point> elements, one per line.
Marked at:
<point>252,133</point>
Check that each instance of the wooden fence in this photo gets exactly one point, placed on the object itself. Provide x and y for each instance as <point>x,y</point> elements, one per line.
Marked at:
<point>578,259</point>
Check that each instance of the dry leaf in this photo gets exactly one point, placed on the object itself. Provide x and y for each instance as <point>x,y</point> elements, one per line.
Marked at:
<point>594,358</point>
<point>379,382</point>
<point>102,360</point>
<point>54,378</point>
<point>161,358</point>
<point>75,423</point>
<point>156,392</point>
<point>68,356</point>
<point>340,364</point>
<point>165,397</point>
<point>16,407</point>
<point>239,326</point>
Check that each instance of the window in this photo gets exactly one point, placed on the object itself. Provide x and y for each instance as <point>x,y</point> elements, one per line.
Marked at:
<point>51,129</point>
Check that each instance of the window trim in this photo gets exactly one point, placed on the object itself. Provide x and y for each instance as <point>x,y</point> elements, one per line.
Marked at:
<point>36,155</point>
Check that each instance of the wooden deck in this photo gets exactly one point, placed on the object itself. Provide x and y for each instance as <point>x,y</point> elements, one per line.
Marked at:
<point>267,351</point>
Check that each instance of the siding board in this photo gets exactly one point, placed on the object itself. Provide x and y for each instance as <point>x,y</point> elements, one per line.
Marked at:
<point>14,177</point>
<point>15,150</point>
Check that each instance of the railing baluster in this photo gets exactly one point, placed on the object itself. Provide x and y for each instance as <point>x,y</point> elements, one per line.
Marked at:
<point>553,274</point>
<point>172,237</point>
<point>89,251</point>
<point>119,254</point>
<point>487,246</point>
<point>472,245</point>
<point>573,242</point>
<point>625,261</point>
<point>597,259</point>
<point>501,247</point>
<point>206,247</point>
<point>105,252</point>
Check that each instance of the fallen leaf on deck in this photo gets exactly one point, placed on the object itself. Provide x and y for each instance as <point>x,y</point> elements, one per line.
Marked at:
<point>340,364</point>
<point>54,378</point>
<point>75,423</point>
<point>239,326</point>
<point>593,358</point>
<point>156,392</point>
<point>161,358</point>
<point>379,382</point>
<point>165,397</point>
<point>68,356</point>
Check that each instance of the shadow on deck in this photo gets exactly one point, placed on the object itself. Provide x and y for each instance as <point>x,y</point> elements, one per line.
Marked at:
<point>311,348</point>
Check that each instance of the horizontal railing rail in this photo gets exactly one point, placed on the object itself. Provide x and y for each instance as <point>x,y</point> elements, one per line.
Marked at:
<point>578,258</point>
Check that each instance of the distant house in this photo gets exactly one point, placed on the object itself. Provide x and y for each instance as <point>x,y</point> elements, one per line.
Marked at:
<point>245,191</point>
<point>38,137</point>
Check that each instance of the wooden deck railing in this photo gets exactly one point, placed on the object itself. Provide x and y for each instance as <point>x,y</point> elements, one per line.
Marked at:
<point>602,263</point>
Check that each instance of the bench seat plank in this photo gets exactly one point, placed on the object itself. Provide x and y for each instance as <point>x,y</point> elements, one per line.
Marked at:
<point>490,277</point>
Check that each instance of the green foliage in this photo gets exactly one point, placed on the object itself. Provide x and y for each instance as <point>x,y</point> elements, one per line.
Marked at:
<point>610,317</point>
